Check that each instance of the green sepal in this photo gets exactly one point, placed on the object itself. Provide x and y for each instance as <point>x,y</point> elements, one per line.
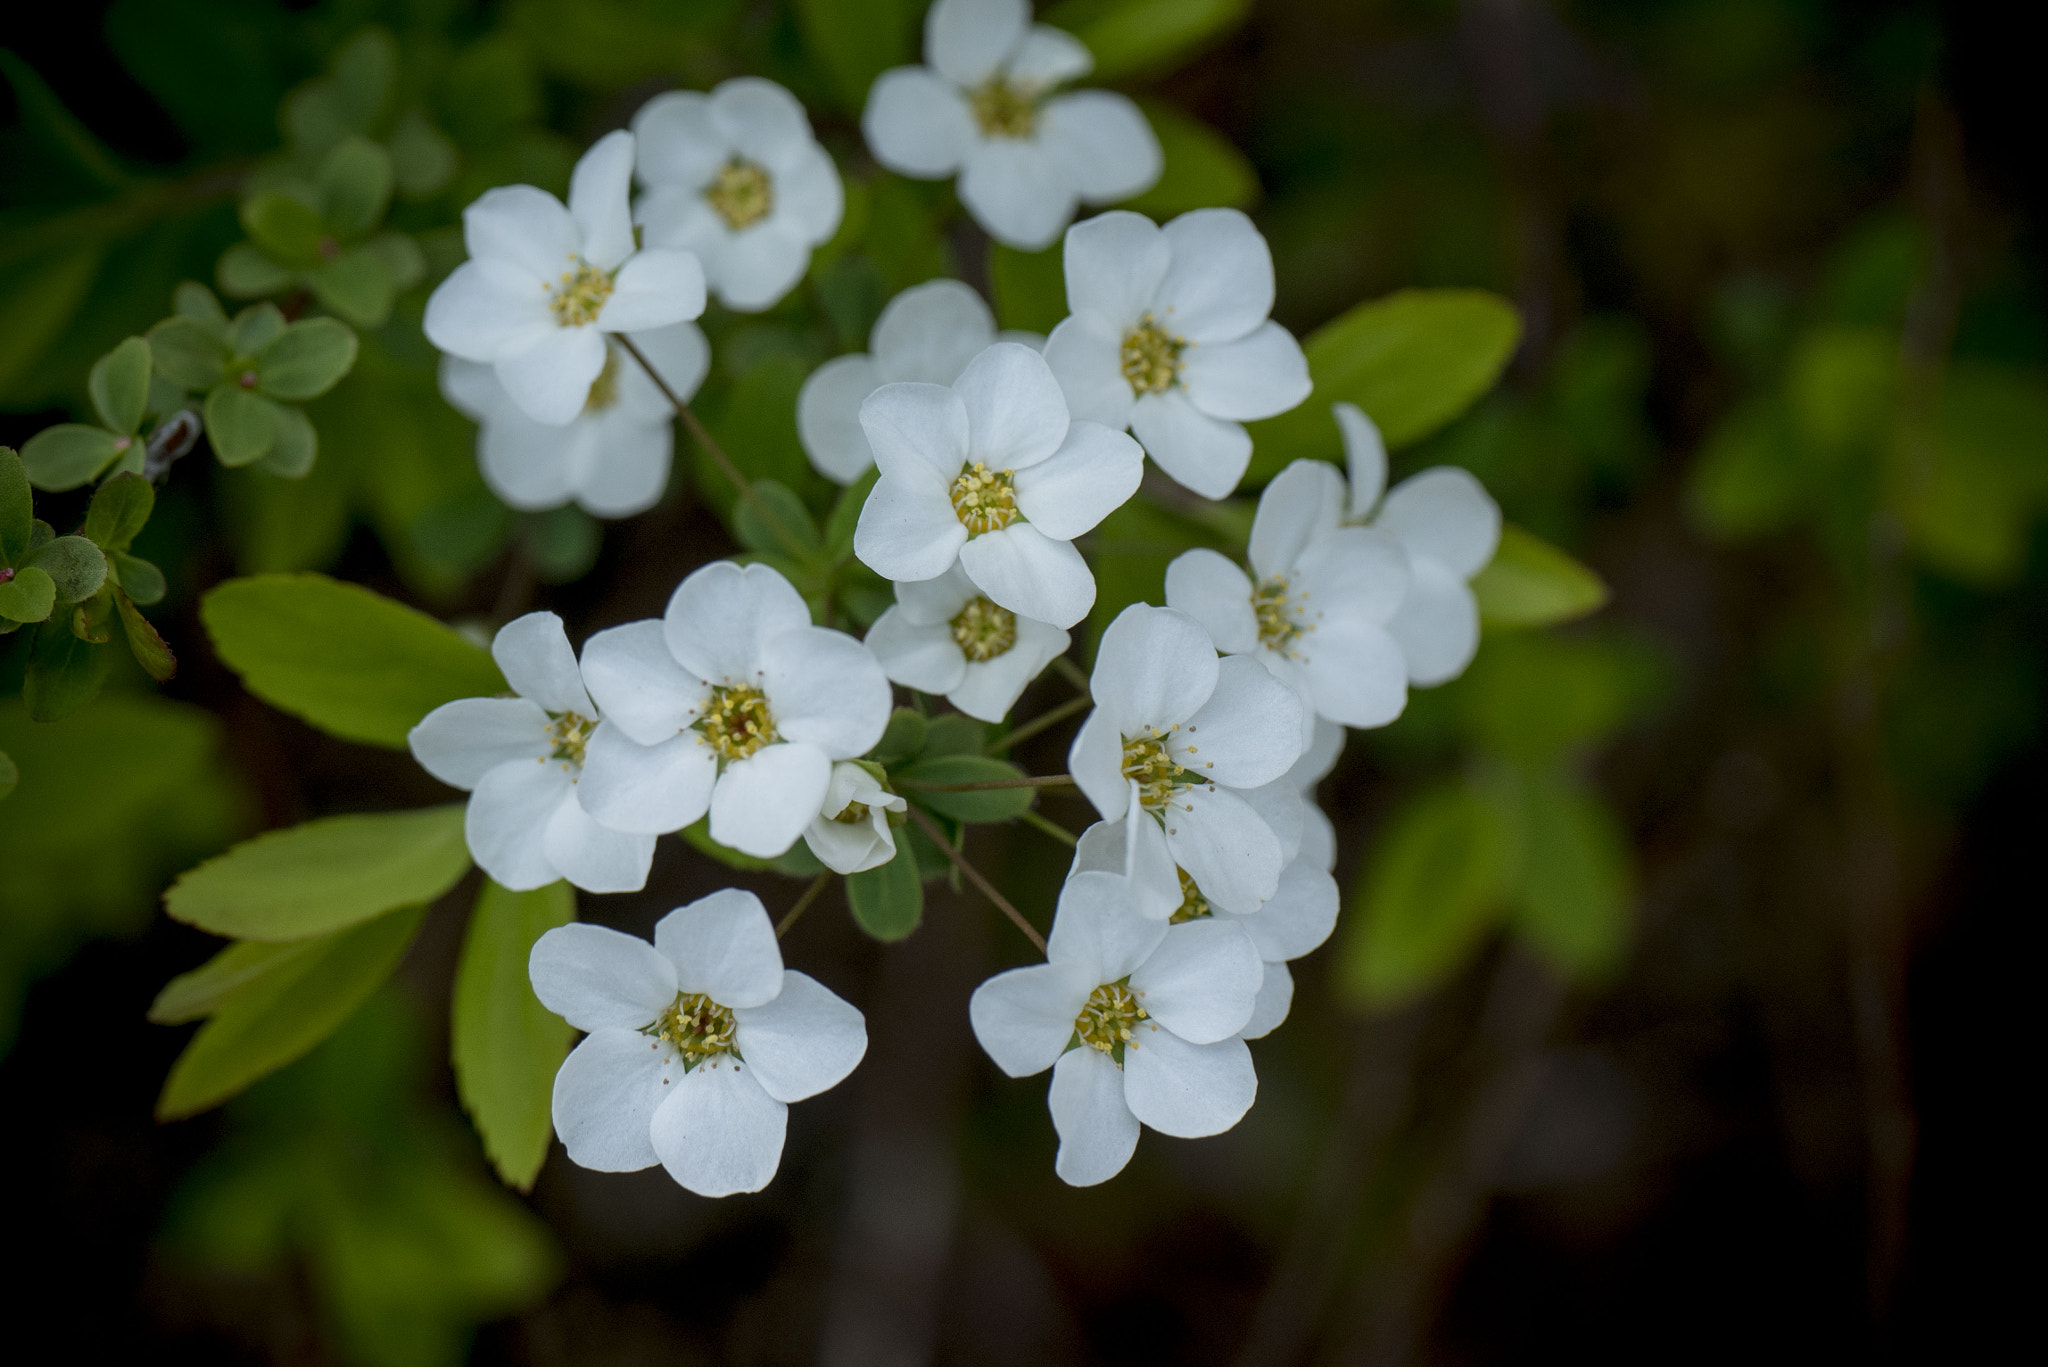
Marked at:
<point>119,385</point>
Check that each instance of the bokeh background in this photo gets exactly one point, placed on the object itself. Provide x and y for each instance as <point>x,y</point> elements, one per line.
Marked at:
<point>1783,382</point>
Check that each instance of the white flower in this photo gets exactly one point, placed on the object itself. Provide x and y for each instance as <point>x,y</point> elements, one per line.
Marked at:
<point>1153,1014</point>
<point>1318,836</point>
<point>1178,738</point>
<point>696,1044</point>
<point>522,759</point>
<point>851,832</point>
<point>1316,612</point>
<point>1450,527</point>
<point>613,457</point>
<point>945,636</point>
<point>926,334</point>
<point>737,177</point>
<point>983,107</point>
<point>1168,336</point>
<point>990,474</point>
<point>733,703</point>
<point>543,284</point>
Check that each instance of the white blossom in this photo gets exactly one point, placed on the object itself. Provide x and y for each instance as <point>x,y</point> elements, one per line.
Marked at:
<point>927,334</point>
<point>544,283</point>
<point>990,474</point>
<point>851,831</point>
<point>945,636</point>
<point>521,758</point>
<point>695,1045</point>
<point>612,458</point>
<point>985,107</point>
<point>1181,740</point>
<point>737,177</point>
<point>1152,1012</point>
<point>1168,336</point>
<point>1318,836</point>
<point>733,704</point>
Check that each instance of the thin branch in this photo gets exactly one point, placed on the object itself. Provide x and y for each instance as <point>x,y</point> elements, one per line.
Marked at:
<point>802,903</point>
<point>986,888</point>
<point>1051,828</point>
<point>1051,717</point>
<point>987,785</point>
<point>1071,672</point>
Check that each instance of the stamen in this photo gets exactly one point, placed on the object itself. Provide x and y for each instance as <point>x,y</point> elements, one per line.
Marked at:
<point>853,813</point>
<point>578,297</point>
<point>1004,110</point>
<point>1106,1022</point>
<point>984,500</point>
<point>698,1027</point>
<point>737,723</point>
<point>1273,608</point>
<point>1152,357</point>
<point>983,630</point>
<point>571,733</point>
<point>1193,906</point>
<point>741,193</point>
<point>1146,760</point>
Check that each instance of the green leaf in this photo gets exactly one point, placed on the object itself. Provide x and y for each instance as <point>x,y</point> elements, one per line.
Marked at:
<point>1132,36</point>
<point>190,352</point>
<point>242,426</point>
<point>17,507</point>
<point>119,385</point>
<point>903,737</point>
<point>64,672</point>
<point>28,597</point>
<point>120,509</point>
<point>1751,476</point>
<point>355,187</point>
<point>324,875</point>
<point>845,516</point>
<point>69,454</point>
<point>305,360</point>
<point>1202,169</point>
<point>287,228</point>
<point>1535,696</point>
<point>1573,901</point>
<point>506,1046</point>
<point>1531,583</point>
<point>989,804</point>
<point>423,160</point>
<point>297,446</point>
<point>954,733</point>
<point>1413,361</point>
<point>244,272</point>
<point>857,40</point>
<point>9,776</point>
<point>139,579</point>
<point>198,994</point>
<point>888,902</point>
<point>358,285</point>
<point>351,662</point>
<point>144,643</point>
<point>278,1016</point>
<point>255,328</point>
<point>1432,886</point>
<point>402,258</point>
<point>75,565</point>
<point>564,542</point>
<point>1029,289</point>
<point>774,520</point>
<point>195,303</point>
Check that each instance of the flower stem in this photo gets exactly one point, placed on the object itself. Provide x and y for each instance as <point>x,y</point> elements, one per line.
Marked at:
<point>1050,717</point>
<point>802,903</point>
<point>1051,828</point>
<point>986,888</point>
<point>1036,781</point>
<point>1071,672</point>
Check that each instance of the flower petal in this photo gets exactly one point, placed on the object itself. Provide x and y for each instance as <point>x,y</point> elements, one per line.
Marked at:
<point>486,308</point>
<point>672,218</point>
<point>1201,981</point>
<point>1094,472</point>
<point>759,119</point>
<point>1188,1090</point>
<point>718,1132</point>
<point>1220,285</point>
<point>1096,930</point>
<point>809,197</point>
<point>828,417</point>
<point>676,142</point>
<point>522,227</point>
<point>461,741</point>
<point>1298,917</point>
<point>724,947</point>
<point>1025,1017</point>
<point>1280,805</point>
<point>1246,734</point>
<point>1302,503</point>
<point>720,618</point>
<point>527,464</point>
<point>919,432</point>
<point>658,288</point>
<point>1365,456</point>
<point>763,802</point>
<point>508,815</point>
<point>534,653</point>
<point>1097,1131</point>
<point>930,332</point>
<point>1048,57</point>
<point>594,857</point>
<point>1209,588</point>
<point>679,353</point>
<point>1086,356</point>
<point>604,1098</point>
<point>598,200</point>
<point>1231,853</point>
<point>637,684</point>
<point>936,602</point>
<point>1028,572</point>
<point>990,688</point>
<point>825,689</point>
<point>1103,142</point>
<point>966,40</point>
<point>758,265</point>
<point>917,124</point>
<point>804,1041</point>
<point>1356,672</point>
<point>1437,627</point>
<point>1018,191</point>
<point>1096,761</point>
<point>1154,668</point>
<point>1325,748</point>
<point>1276,996</point>
<point>630,473</point>
<point>1016,415</point>
<point>908,529</point>
<point>1205,454</point>
<point>648,789</point>
<point>1255,376</point>
<point>926,658</point>
<point>1114,264</point>
<point>1353,572</point>
<point>550,380</point>
<point>1446,514</point>
<point>600,979</point>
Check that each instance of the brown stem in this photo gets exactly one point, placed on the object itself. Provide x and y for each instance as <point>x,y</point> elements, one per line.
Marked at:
<point>802,903</point>
<point>1051,717</point>
<point>986,888</point>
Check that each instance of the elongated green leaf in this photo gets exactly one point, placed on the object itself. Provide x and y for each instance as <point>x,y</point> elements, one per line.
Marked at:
<point>305,360</point>
<point>774,520</point>
<point>9,775</point>
<point>888,902</point>
<point>28,596</point>
<point>349,661</point>
<point>17,507</point>
<point>1531,583</point>
<point>141,580</point>
<point>1573,901</point>
<point>68,455</point>
<point>198,994</point>
<point>144,643</point>
<point>279,1015</point>
<point>988,804</point>
<point>119,385</point>
<point>241,425</point>
<point>120,509</point>
<point>64,672</point>
<point>506,1046</point>
<point>244,272</point>
<point>1130,36</point>
<point>954,733</point>
<point>325,875</point>
<point>76,567</point>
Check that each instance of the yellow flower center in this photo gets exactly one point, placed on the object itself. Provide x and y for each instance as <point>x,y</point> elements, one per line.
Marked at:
<point>853,813</point>
<point>604,390</point>
<point>1271,605</point>
<point>984,500</point>
<point>1105,1023</point>
<point>697,1026</point>
<point>578,297</point>
<point>570,733</point>
<point>1146,760</point>
<point>1151,357</point>
<point>1193,906</point>
<point>1004,110</point>
<point>741,193</point>
<point>737,723</point>
<point>984,630</point>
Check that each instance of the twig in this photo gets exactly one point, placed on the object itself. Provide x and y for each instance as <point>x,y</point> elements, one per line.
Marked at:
<point>802,903</point>
<point>987,785</point>
<point>1071,672</point>
<point>1052,828</point>
<point>986,888</point>
<point>1051,717</point>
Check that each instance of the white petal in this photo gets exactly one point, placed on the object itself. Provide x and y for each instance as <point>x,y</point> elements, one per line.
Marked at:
<point>672,218</point>
<point>630,473</point>
<point>763,802</point>
<point>527,464</point>
<point>930,332</point>
<point>918,431</point>
<point>1205,454</point>
<point>1096,1128</point>
<point>1096,930</point>
<point>1354,572</point>
<point>522,227</point>
<point>656,289</point>
<point>600,979</point>
<point>1356,672</point>
<point>1225,847</point>
<point>1028,572</point>
<point>936,602</point>
<point>1276,996</point>
<point>1094,472</point>
<point>1016,416</point>
<point>637,684</point>
<point>1107,148</point>
<point>1304,501</point>
<point>719,1133</point>
<point>760,120</point>
<point>926,658</point>
<point>724,947</point>
<point>908,529</point>
<point>681,355</point>
<point>825,689</point>
<point>485,308</point>
<point>472,388</point>
<point>1025,1017</point>
<point>595,857</point>
<point>809,198</point>
<point>1246,734</point>
<point>604,1098</point>
<point>1255,376</point>
<point>1281,806</point>
<point>1447,515</point>
<point>1188,1090</point>
<point>1437,627</point>
<point>1018,192</point>
<point>1114,264</point>
<point>550,380</point>
<point>1365,456</point>
<point>508,814</point>
<point>1096,760</point>
<point>721,617</point>
<point>851,846</point>
<point>758,266</point>
<point>1085,354</point>
<point>1209,588</point>
<point>1326,747</point>
<point>828,417</point>
<point>461,741</point>
<point>966,40</point>
<point>1318,838</point>
<point>804,1041</point>
<point>1201,981</point>
<point>1154,668</point>
<point>1152,877</point>
<point>917,124</point>
<point>1298,917</point>
<point>1220,285</point>
<point>990,688</point>
<point>1047,57</point>
<point>598,190</point>
<point>649,789</point>
<point>533,651</point>
<point>676,142</point>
